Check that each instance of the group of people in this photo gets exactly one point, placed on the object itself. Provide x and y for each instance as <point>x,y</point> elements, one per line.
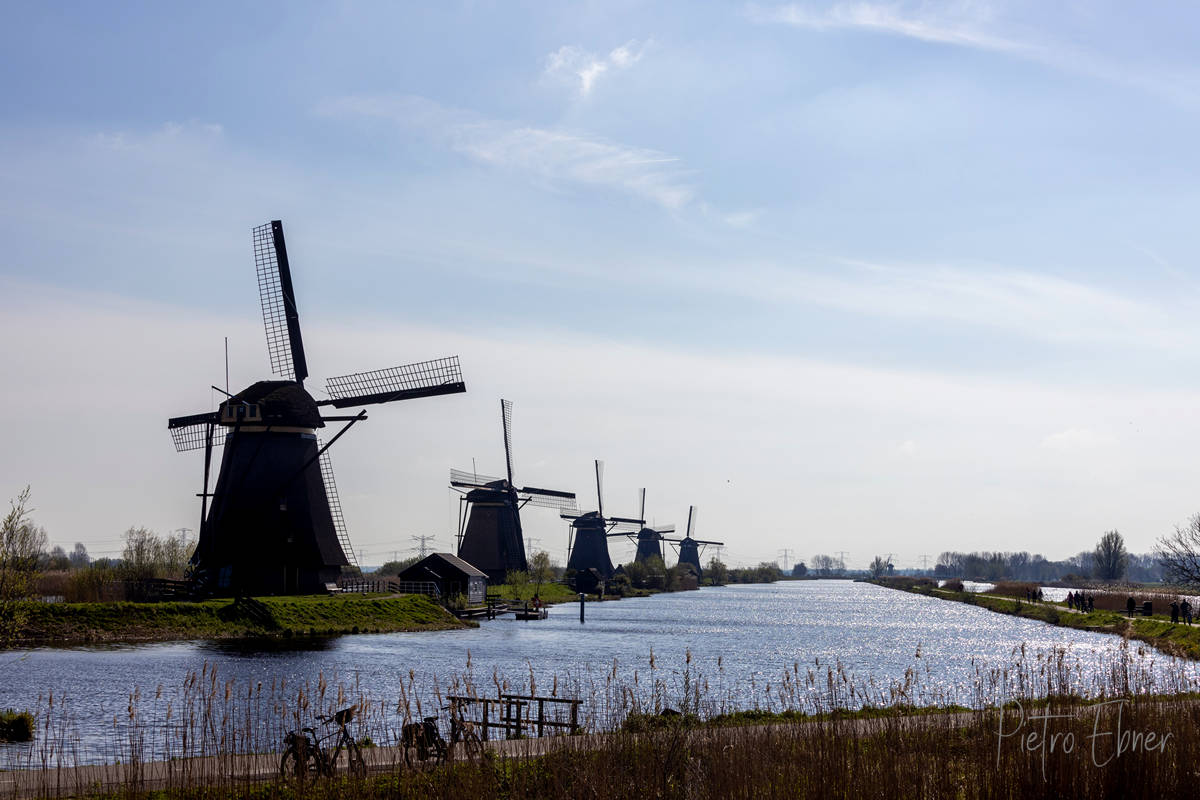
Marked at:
<point>1181,608</point>
<point>1033,595</point>
<point>1081,602</point>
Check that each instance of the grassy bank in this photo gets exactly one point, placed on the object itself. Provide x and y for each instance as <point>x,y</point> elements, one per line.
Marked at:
<point>882,755</point>
<point>1158,631</point>
<point>284,617</point>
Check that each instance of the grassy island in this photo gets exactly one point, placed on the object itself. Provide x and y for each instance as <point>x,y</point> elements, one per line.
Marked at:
<point>278,617</point>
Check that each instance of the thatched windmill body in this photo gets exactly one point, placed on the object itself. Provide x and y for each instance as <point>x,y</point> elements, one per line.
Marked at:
<point>490,537</point>
<point>689,547</point>
<point>273,523</point>
<point>589,533</point>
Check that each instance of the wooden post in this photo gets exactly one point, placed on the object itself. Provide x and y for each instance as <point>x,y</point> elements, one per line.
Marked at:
<point>541,715</point>
<point>574,716</point>
<point>582,603</point>
<point>486,705</point>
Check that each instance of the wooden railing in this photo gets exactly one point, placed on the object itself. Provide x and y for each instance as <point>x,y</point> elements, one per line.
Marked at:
<point>512,714</point>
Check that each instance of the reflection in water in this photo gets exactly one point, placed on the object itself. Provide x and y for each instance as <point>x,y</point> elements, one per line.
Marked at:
<point>747,646</point>
<point>262,647</point>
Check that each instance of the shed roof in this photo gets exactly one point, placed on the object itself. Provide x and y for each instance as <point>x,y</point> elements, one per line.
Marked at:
<point>443,560</point>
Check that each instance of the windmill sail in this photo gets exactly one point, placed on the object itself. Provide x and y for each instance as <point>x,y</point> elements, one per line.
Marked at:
<point>506,420</point>
<point>191,432</point>
<point>335,508</point>
<point>282,320</point>
<point>471,480</point>
<point>423,379</point>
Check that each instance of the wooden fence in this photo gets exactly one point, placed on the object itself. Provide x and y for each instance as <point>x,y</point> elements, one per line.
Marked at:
<point>514,714</point>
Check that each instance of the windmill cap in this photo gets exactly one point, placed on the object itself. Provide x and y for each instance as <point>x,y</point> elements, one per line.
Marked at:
<point>282,403</point>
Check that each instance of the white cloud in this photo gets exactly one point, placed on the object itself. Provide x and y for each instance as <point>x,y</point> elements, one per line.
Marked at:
<point>581,69</point>
<point>1078,439</point>
<point>553,154</point>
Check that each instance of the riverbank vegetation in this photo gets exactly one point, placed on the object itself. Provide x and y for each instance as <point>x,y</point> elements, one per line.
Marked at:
<point>1009,598</point>
<point>813,730</point>
<point>279,617</point>
<point>15,726</point>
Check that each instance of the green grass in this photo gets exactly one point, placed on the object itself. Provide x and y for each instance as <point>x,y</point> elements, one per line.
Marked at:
<point>549,592</point>
<point>284,617</point>
<point>15,726</point>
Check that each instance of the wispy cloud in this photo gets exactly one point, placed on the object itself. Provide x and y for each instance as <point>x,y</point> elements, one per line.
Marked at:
<point>581,69</point>
<point>1032,305</point>
<point>552,154</point>
<point>923,23</point>
<point>973,25</point>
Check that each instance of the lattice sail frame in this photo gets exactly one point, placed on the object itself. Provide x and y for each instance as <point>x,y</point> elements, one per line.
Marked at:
<point>506,420</point>
<point>194,437</point>
<point>395,380</point>
<point>545,499</point>
<point>335,508</point>
<point>274,305</point>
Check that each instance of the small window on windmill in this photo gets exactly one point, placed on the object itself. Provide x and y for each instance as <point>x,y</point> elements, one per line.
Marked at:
<point>232,413</point>
<point>224,575</point>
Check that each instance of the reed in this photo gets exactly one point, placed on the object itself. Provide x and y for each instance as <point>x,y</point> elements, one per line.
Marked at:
<point>672,731</point>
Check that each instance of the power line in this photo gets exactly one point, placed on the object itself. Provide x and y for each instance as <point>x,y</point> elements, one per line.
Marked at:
<point>842,558</point>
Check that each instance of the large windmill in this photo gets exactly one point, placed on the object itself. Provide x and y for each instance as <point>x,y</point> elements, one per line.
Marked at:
<point>689,548</point>
<point>275,525</point>
<point>489,534</point>
<point>588,543</point>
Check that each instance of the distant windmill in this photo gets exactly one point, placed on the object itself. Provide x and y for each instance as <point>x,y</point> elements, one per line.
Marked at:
<point>649,540</point>
<point>489,536</point>
<point>588,542</point>
<point>275,525</point>
<point>689,548</point>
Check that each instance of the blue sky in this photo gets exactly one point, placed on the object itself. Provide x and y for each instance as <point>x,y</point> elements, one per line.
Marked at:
<point>920,273</point>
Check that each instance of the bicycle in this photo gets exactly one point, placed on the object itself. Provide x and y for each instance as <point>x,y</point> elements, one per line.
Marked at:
<point>426,739</point>
<point>463,732</point>
<point>304,755</point>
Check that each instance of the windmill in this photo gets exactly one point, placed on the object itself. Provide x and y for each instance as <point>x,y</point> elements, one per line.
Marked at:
<point>649,540</point>
<point>489,535</point>
<point>588,542</point>
<point>689,547</point>
<point>275,524</point>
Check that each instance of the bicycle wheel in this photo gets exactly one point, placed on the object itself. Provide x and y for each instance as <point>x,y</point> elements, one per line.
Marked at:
<point>294,768</point>
<point>356,766</point>
<point>473,743</point>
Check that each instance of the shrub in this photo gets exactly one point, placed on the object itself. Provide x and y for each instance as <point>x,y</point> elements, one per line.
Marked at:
<point>15,726</point>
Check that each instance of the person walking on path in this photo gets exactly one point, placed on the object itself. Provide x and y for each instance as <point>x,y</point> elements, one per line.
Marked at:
<point>1070,600</point>
<point>1130,605</point>
<point>1174,612</point>
<point>1186,608</point>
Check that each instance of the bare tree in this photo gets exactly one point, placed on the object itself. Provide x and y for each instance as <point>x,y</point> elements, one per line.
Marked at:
<point>1111,559</point>
<point>878,567</point>
<point>823,564</point>
<point>21,544</point>
<point>1179,553</point>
